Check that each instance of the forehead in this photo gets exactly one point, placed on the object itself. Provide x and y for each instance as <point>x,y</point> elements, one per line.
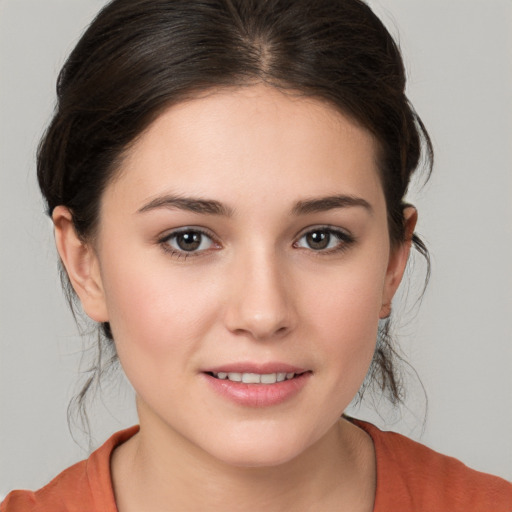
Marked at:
<point>247,144</point>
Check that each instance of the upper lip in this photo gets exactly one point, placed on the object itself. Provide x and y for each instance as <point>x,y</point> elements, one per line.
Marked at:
<point>251,367</point>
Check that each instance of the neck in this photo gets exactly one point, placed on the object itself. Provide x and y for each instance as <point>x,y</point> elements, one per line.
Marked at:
<point>160,472</point>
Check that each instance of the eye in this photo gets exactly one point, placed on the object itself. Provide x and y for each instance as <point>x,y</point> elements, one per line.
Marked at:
<point>187,241</point>
<point>324,239</point>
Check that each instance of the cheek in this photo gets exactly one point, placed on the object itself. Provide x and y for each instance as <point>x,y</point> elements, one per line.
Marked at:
<point>156,309</point>
<point>348,350</point>
<point>348,296</point>
<point>343,315</point>
<point>349,324</point>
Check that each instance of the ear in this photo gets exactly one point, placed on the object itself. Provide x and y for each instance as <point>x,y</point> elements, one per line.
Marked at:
<point>81,264</point>
<point>398,261</point>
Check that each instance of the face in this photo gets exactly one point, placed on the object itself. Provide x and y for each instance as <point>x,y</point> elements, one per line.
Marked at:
<point>245,238</point>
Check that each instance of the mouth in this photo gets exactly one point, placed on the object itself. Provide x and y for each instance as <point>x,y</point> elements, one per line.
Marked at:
<point>256,378</point>
<point>257,385</point>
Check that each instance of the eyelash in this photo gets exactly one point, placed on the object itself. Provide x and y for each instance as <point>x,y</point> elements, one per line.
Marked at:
<point>181,254</point>
<point>345,240</point>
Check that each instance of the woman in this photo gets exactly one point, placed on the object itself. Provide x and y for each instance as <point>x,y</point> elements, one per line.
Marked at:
<point>227,182</point>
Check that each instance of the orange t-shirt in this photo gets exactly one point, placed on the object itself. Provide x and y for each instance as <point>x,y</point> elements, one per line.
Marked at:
<point>410,478</point>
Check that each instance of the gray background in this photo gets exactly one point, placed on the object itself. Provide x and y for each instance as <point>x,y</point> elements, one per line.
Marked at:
<point>458,56</point>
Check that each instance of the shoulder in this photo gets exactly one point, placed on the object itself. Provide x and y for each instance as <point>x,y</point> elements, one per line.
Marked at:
<point>423,479</point>
<point>60,494</point>
<point>84,486</point>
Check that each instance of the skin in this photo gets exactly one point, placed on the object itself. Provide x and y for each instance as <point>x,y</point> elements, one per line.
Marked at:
<point>255,291</point>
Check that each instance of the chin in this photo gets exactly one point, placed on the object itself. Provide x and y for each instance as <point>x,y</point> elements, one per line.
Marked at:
<point>259,449</point>
<point>259,458</point>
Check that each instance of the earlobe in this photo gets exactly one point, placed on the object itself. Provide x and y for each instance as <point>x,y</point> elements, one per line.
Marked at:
<point>81,264</point>
<point>398,262</point>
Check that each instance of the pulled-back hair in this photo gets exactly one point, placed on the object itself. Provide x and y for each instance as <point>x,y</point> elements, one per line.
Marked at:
<point>138,57</point>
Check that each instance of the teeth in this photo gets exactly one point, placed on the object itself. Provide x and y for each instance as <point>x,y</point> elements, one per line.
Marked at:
<point>268,378</point>
<point>255,378</point>
<point>251,378</point>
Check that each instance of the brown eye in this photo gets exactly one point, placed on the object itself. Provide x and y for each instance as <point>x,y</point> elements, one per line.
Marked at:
<point>189,241</point>
<point>318,239</point>
<point>324,239</point>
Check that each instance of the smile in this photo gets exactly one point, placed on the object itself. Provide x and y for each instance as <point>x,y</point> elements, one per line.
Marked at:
<point>254,378</point>
<point>263,388</point>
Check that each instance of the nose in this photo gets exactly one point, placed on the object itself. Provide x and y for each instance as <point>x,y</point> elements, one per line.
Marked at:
<point>260,303</point>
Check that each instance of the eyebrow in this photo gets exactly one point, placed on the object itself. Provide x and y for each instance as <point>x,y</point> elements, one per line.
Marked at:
<point>191,204</point>
<point>213,207</point>
<point>323,204</point>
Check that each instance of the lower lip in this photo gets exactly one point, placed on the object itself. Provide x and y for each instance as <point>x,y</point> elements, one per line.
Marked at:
<point>258,395</point>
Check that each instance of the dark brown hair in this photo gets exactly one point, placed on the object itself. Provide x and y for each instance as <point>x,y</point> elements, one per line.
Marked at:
<point>138,57</point>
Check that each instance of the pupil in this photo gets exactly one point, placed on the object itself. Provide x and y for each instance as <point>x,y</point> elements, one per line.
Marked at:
<point>189,241</point>
<point>318,239</point>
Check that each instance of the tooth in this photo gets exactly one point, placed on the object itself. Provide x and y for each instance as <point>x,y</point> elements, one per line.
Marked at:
<point>251,378</point>
<point>268,378</point>
<point>255,378</point>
